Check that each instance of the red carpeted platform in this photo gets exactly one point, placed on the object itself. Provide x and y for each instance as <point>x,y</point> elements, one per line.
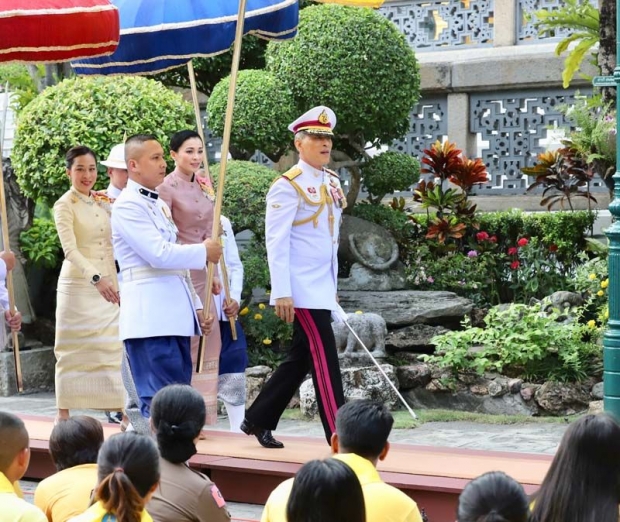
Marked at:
<point>246,472</point>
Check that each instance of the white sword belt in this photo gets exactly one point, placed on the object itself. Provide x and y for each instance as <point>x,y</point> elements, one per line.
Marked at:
<point>147,272</point>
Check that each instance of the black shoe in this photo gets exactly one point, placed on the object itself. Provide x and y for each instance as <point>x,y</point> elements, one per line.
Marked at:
<point>114,418</point>
<point>264,437</point>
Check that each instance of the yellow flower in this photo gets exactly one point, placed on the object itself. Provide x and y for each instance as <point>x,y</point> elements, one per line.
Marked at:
<point>267,292</point>
<point>606,314</point>
<point>591,323</point>
<point>359,312</point>
<point>258,317</point>
<point>267,341</point>
<point>261,306</point>
<point>592,277</point>
<point>245,311</point>
<point>600,293</point>
<point>604,283</point>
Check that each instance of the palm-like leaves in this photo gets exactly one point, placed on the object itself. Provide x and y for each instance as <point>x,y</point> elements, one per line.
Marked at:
<point>443,228</point>
<point>469,173</point>
<point>441,160</point>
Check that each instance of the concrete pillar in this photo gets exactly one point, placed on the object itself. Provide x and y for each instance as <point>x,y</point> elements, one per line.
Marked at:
<point>458,123</point>
<point>505,23</point>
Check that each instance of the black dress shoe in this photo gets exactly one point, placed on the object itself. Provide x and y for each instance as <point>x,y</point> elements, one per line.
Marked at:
<point>264,437</point>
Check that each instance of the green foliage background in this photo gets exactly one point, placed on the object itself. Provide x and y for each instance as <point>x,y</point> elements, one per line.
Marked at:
<point>96,112</point>
<point>389,172</point>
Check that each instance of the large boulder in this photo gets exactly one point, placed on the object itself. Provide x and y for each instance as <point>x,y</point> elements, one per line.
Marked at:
<point>358,383</point>
<point>407,307</point>
<point>255,378</point>
<point>556,398</point>
<point>413,338</point>
<point>413,375</point>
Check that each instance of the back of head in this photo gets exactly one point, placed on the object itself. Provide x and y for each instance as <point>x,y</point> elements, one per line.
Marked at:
<point>128,470</point>
<point>583,481</point>
<point>326,490</point>
<point>75,441</point>
<point>13,439</point>
<point>493,497</point>
<point>134,145</point>
<point>179,138</point>
<point>363,428</point>
<point>178,415</point>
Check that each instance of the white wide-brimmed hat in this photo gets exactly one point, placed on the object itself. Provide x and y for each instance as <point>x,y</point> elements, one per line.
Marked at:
<point>116,158</point>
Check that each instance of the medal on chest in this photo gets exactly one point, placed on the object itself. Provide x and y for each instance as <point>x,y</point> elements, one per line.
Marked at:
<point>313,194</point>
<point>337,193</point>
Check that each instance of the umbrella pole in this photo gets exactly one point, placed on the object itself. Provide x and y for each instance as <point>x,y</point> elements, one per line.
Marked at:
<point>224,160</point>
<point>7,247</point>
<point>205,162</point>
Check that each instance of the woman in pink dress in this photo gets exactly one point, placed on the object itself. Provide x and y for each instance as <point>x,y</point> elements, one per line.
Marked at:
<point>191,204</point>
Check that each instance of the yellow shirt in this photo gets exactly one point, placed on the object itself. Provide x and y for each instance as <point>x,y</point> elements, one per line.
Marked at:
<point>97,513</point>
<point>67,493</point>
<point>15,509</point>
<point>384,503</point>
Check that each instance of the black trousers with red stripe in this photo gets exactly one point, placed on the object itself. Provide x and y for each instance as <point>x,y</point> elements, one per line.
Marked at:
<point>313,349</point>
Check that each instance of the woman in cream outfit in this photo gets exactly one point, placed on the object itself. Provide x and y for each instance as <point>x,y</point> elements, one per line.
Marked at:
<point>87,348</point>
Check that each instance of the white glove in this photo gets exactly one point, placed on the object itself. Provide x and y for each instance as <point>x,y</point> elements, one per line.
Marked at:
<point>339,315</point>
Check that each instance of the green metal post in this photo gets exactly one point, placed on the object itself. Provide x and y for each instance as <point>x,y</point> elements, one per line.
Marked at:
<point>611,342</point>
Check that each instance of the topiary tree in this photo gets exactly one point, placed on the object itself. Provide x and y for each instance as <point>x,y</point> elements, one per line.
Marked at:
<point>244,195</point>
<point>97,112</point>
<point>388,172</point>
<point>356,62</point>
<point>263,108</point>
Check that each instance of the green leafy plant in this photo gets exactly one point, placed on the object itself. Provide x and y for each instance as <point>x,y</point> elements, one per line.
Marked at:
<point>41,245</point>
<point>87,111</point>
<point>21,84</point>
<point>389,172</point>
<point>255,269</point>
<point>263,328</point>
<point>519,341</point>
<point>582,18</point>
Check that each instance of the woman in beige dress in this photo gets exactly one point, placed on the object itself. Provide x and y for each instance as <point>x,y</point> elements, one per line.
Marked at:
<point>191,204</point>
<point>87,348</point>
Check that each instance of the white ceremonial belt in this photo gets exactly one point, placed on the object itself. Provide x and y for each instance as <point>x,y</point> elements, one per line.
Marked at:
<point>147,272</point>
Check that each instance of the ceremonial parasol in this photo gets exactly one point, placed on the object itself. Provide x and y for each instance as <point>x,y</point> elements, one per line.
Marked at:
<point>156,36</point>
<point>47,31</point>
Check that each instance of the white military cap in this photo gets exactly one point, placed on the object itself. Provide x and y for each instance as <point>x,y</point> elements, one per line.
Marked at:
<point>318,120</point>
<point>116,158</point>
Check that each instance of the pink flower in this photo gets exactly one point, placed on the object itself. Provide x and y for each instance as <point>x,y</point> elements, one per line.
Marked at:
<point>493,239</point>
<point>482,236</point>
<point>522,242</point>
<point>514,265</point>
<point>512,251</point>
<point>553,248</point>
<point>430,279</point>
<point>472,253</point>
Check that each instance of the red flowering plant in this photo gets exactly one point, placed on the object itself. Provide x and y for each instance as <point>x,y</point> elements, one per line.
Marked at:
<point>533,271</point>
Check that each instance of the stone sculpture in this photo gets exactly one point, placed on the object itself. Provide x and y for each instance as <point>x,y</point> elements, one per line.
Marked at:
<point>370,328</point>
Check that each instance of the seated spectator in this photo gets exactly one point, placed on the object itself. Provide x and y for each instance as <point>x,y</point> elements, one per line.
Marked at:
<point>74,445</point>
<point>583,481</point>
<point>493,497</point>
<point>14,460</point>
<point>128,472</point>
<point>360,441</point>
<point>326,490</point>
<point>178,415</point>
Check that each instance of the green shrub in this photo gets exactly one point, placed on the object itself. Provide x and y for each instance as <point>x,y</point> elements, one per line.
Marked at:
<point>389,172</point>
<point>97,112</point>
<point>520,341</point>
<point>263,109</point>
<point>266,333</point>
<point>255,268</point>
<point>41,245</point>
<point>245,188</point>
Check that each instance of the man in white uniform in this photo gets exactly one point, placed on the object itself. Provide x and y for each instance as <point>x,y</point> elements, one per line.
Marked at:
<point>304,209</point>
<point>117,171</point>
<point>159,310</point>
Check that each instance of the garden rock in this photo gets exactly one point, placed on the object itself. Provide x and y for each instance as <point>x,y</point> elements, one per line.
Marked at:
<point>407,307</point>
<point>557,398</point>
<point>367,244</point>
<point>498,387</point>
<point>413,376</point>
<point>255,378</point>
<point>562,301</point>
<point>363,278</point>
<point>595,407</point>
<point>528,391</point>
<point>597,391</point>
<point>358,383</point>
<point>514,385</point>
<point>413,338</point>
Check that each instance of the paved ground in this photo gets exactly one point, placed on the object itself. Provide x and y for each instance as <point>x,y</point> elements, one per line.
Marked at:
<point>528,438</point>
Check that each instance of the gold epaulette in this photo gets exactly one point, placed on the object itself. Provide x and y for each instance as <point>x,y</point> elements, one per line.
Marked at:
<point>332,173</point>
<point>292,173</point>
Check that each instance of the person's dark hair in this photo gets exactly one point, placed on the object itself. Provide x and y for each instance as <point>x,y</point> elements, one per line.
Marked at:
<point>13,438</point>
<point>128,468</point>
<point>75,441</point>
<point>326,490</point>
<point>76,152</point>
<point>583,481</point>
<point>363,428</point>
<point>178,415</point>
<point>493,497</point>
<point>133,144</point>
<point>179,138</point>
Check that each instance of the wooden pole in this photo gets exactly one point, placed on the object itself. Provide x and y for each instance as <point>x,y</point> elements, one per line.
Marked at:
<point>226,284</point>
<point>6,246</point>
<point>224,160</point>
